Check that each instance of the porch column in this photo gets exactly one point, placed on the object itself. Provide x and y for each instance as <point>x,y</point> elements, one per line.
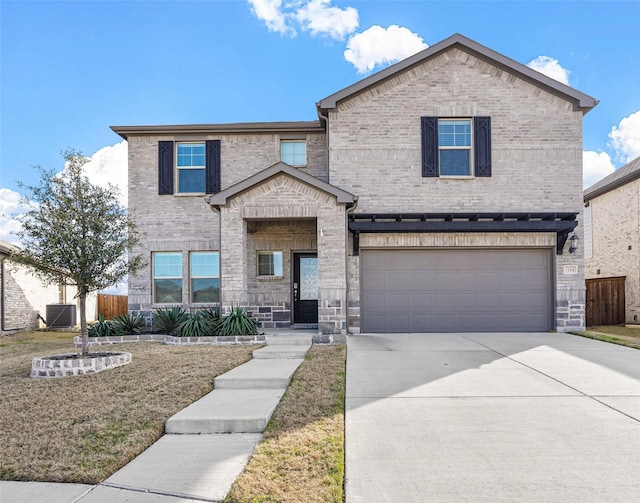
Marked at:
<point>332,281</point>
<point>233,268</point>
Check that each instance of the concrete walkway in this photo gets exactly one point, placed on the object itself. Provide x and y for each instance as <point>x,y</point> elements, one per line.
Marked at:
<point>206,446</point>
<point>491,418</point>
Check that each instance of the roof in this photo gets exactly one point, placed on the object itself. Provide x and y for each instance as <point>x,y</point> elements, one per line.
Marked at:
<point>580,100</point>
<point>620,177</point>
<point>231,128</point>
<point>8,248</point>
<point>221,198</point>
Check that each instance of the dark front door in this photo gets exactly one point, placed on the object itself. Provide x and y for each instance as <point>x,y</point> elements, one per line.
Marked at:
<point>305,288</point>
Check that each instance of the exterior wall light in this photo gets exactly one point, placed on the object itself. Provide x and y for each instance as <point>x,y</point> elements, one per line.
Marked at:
<point>574,243</point>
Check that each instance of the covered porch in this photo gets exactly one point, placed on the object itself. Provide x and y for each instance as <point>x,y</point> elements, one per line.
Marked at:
<point>283,242</point>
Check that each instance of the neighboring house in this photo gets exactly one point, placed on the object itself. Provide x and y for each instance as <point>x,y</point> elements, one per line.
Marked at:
<point>436,195</point>
<point>24,298</point>
<point>612,247</point>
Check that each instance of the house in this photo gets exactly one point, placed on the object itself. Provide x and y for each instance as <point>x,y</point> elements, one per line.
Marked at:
<point>27,304</point>
<point>437,195</point>
<point>612,247</point>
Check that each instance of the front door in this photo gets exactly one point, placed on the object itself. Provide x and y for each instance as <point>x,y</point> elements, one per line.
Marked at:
<point>305,288</point>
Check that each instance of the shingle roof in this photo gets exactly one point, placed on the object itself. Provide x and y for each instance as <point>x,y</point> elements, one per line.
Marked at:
<point>622,176</point>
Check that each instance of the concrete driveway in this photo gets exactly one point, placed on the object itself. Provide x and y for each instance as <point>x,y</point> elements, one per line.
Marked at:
<point>491,417</point>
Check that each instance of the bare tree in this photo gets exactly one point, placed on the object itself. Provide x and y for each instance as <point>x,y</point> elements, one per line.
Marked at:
<point>76,233</point>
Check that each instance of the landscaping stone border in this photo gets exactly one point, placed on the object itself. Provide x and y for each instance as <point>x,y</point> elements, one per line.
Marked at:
<point>178,341</point>
<point>59,366</point>
<point>171,340</point>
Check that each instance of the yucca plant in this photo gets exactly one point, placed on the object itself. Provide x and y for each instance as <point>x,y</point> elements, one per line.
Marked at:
<point>196,325</point>
<point>238,322</point>
<point>167,321</point>
<point>126,324</point>
<point>102,328</point>
<point>212,315</point>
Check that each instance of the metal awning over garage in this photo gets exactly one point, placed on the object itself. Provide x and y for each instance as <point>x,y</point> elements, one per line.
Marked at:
<point>560,223</point>
<point>456,290</point>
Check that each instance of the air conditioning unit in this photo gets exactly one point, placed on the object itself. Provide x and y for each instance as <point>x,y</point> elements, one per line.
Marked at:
<point>61,315</point>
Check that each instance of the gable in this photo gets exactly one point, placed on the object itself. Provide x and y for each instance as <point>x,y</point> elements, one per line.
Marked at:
<point>456,45</point>
<point>281,184</point>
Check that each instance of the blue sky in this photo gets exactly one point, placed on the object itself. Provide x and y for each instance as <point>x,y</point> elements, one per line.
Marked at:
<point>70,69</point>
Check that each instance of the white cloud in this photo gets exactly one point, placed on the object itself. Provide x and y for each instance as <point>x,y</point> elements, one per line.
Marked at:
<point>595,166</point>
<point>107,165</point>
<point>378,45</point>
<point>320,18</point>
<point>625,138</point>
<point>551,68</point>
<point>270,11</point>
<point>10,207</point>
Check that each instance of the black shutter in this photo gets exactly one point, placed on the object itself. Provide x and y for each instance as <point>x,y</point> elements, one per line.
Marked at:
<point>482,145</point>
<point>165,167</point>
<point>213,167</point>
<point>430,146</point>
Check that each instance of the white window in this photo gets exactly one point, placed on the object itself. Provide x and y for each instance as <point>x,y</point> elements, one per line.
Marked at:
<point>167,277</point>
<point>270,263</point>
<point>205,277</point>
<point>294,152</point>
<point>190,163</point>
<point>454,147</point>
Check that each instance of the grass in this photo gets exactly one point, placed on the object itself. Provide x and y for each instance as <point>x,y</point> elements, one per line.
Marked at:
<point>615,334</point>
<point>301,456</point>
<point>83,429</point>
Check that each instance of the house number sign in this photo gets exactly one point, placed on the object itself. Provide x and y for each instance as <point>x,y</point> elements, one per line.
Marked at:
<point>571,269</point>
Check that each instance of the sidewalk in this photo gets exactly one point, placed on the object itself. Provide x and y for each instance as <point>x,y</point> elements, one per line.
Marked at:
<point>206,445</point>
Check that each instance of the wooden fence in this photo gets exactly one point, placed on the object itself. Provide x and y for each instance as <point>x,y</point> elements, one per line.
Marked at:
<point>112,305</point>
<point>605,301</point>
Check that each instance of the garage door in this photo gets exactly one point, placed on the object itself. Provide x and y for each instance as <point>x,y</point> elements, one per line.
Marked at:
<point>456,290</point>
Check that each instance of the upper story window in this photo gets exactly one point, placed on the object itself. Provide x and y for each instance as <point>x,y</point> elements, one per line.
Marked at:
<point>270,263</point>
<point>167,277</point>
<point>194,169</point>
<point>190,163</point>
<point>205,277</point>
<point>294,152</point>
<point>456,147</point>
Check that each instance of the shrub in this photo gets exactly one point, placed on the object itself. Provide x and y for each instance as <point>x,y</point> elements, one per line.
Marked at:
<point>212,315</point>
<point>102,328</point>
<point>238,322</point>
<point>196,325</point>
<point>126,324</point>
<point>168,321</point>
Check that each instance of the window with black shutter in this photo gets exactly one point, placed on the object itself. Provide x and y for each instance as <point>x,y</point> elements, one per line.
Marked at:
<point>456,147</point>
<point>196,166</point>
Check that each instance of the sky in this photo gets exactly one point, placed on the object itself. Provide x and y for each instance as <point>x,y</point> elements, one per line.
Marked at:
<point>70,69</point>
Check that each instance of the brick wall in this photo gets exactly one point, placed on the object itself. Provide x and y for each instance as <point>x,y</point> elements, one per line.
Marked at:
<point>375,153</point>
<point>187,223</point>
<point>615,241</point>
